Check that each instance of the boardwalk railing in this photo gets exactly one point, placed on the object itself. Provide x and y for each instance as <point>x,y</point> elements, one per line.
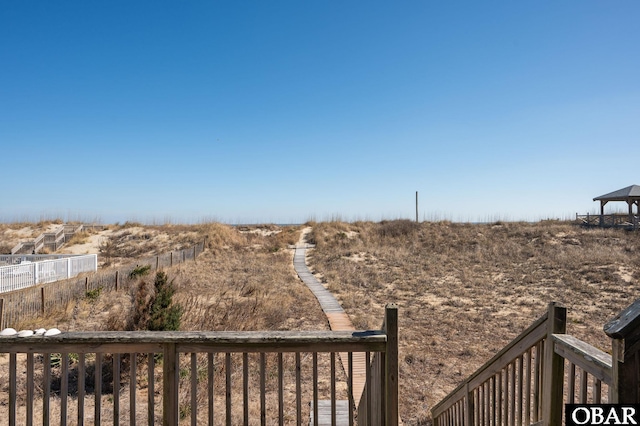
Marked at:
<point>52,240</point>
<point>529,381</point>
<point>32,301</point>
<point>28,273</point>
<point>609,220</point>
<point>168,377</point>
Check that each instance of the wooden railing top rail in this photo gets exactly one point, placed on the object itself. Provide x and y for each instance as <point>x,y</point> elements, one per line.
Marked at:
<point>625,322</point>
<point>587,357</point>
<point>528,338</point>
<point>199,341</point>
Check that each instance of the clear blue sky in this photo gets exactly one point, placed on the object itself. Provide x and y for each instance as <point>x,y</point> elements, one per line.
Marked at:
<point>282,111</point>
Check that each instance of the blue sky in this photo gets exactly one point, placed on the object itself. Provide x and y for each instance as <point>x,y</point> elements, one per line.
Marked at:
<point>284,111</point>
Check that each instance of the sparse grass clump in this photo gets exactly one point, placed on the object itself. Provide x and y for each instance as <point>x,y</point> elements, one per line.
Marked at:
<point>79,238</point>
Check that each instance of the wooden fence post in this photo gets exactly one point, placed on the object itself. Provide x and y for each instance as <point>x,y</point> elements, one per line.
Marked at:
<point>86,285</point>
<point>171,259</point>
<point>624,329</point>
<point>42,300</point>
<point>194,253</point>
<point>170,385</point>
<point>157,262</point>
<point>391,365</point>
<point>553,375</point>
<point>184,256</point>
<point>1,314</point>
<point>116,280</point>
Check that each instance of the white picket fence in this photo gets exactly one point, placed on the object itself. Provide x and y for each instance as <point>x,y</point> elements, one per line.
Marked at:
<point>27,273</point>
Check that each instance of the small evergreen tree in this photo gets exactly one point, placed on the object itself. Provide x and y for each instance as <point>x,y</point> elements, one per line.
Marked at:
<point>164,315</point>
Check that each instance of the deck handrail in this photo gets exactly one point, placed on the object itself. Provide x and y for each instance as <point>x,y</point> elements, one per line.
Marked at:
<point>527,339</point>
<point>532,366</point>
<point>583,355</point>
<point>199,351</point>
<point>195,341</point>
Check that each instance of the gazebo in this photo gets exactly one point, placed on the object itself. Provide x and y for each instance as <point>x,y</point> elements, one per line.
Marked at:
<point>630,195</point>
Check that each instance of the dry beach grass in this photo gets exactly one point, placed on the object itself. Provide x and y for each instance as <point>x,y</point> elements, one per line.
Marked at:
<point>463,290</point>
<point>243,281</point>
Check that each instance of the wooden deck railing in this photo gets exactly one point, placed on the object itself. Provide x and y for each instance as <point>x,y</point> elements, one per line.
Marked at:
<point>379,401</point>
<point>529,381</point>
<point>185,377</point>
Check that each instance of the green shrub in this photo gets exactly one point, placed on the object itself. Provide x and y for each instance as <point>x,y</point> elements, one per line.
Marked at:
<point>140,271</point>
<point>92,295</point>
<point>164,315</point>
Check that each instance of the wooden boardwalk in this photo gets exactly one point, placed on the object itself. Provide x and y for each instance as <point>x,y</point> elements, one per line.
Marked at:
<point>324,413</point>
<point>338,319</point>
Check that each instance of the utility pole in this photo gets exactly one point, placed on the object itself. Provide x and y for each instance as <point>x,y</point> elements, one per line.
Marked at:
<point>417,206</point>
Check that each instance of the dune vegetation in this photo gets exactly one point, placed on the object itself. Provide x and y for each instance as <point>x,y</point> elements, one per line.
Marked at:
<point>463,290</point>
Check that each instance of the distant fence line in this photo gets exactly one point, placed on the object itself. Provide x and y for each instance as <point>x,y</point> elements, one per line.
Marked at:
<point>609,220</point>
<point>29,273</point>
<point>16,306</point>
<point>14,259</point>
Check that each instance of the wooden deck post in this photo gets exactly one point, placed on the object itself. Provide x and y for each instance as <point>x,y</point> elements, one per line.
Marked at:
<point>553,375</point>
<point>469,408</point>
<point>169,385</point>
<point>624,329</point>
<point>1,314</point>
<point>391,365</point>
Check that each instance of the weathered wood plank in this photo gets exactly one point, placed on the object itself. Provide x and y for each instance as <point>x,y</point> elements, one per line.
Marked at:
<point>194,389</point>
<point>116,390</point>
<point>195,337</point>
<point>12,388</point>
<point>150,389</point>
<point>30,389</point>
<point>323,413</point>
<point>625,322</point>
<point>170,385</point>
<point>133,381</point>
<point>585,356</point>
<point>98,389</point>
<point>81,387</point>
<point>552,403</point>
<point>263,381</point>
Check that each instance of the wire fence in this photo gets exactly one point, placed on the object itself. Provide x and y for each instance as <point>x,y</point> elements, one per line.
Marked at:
<point>19,305</point>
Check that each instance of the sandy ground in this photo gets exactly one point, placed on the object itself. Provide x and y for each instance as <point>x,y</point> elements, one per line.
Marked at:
<point>92,246</point>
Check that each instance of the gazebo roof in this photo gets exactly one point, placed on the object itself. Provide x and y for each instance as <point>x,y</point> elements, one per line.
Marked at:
<point>624,194</point>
